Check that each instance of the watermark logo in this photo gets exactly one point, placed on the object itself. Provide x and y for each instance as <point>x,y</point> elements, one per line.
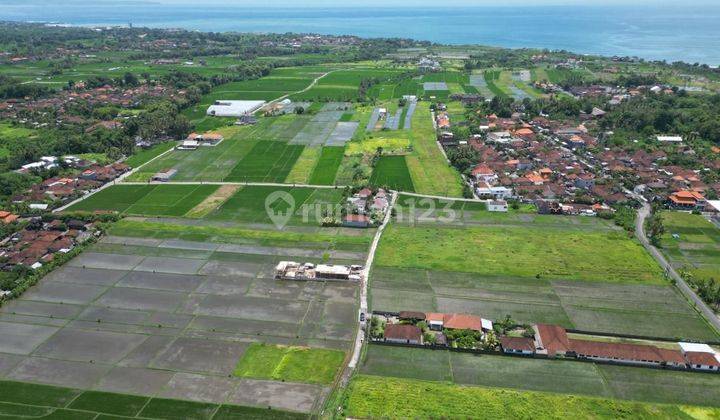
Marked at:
<point>280,207</point>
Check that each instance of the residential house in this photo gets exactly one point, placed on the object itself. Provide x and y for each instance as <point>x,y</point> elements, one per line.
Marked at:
<point>700,356</point>
<point>403,333</point>
<point>626,353</point>
<point>356,221</point>
<point>517,345</point>
<point>485,190</point>
<point>552,340</point>
<point>687,200</point>
<point>482,172</point>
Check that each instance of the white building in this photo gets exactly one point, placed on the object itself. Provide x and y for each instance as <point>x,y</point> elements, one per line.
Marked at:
<point>497,206</point>
<point>670,139</point>
<point>234,108</point>
<point>700,356</point>
<point>500,137</point>
<point>485,190</point>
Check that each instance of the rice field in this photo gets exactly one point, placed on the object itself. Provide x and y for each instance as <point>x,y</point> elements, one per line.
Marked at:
<point>151,200</point>
<point>381,397</point>
<point>26,400</point>
<point>327,166</point>
<point>392,172</point>
<point>692,244</point>
<point>267,161</point>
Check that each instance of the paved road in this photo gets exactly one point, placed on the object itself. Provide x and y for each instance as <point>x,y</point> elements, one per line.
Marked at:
<point>685,289</point>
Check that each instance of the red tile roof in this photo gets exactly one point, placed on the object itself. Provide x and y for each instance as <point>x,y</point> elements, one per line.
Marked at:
<point>517,343</point>
<point>463,322</point>
<point>701,358</point>
<point>403,332</point>
<point>553,338</point>
<point>625,351</point>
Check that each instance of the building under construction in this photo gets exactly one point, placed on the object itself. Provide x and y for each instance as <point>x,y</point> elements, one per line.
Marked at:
<point>290,270</point>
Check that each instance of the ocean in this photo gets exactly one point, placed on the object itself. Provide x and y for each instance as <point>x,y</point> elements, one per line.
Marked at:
<point>673,33</point>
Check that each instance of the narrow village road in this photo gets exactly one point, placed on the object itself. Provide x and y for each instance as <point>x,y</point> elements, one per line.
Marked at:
<point>682,285</point>
<point>251,184</point>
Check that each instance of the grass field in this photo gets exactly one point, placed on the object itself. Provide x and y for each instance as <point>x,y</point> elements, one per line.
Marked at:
<point>249,204</point>
<point>151,200</point>
<point>207,163</point>
<point>289,363</point>
<point>429,171</point>
<point>25,400</point>
<point>520,251</point>
<point>327,166</point>
<point>392,172</point>
<point>343,84</point>
<point>142,157</point>
<point>378,397</point>
<point>697,247</point>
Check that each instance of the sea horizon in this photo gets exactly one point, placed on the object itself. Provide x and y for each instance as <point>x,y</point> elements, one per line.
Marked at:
<point>675,33</point>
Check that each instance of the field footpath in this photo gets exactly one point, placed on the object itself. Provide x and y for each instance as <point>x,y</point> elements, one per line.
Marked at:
<point>681,284</point>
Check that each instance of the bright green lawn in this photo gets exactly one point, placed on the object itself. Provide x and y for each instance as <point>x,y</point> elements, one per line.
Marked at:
<point>378,397</point>
<point>144,156</point>
<point>290,363</point>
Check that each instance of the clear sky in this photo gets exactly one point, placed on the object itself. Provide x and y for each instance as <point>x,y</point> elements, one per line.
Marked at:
<point>427,3</point>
